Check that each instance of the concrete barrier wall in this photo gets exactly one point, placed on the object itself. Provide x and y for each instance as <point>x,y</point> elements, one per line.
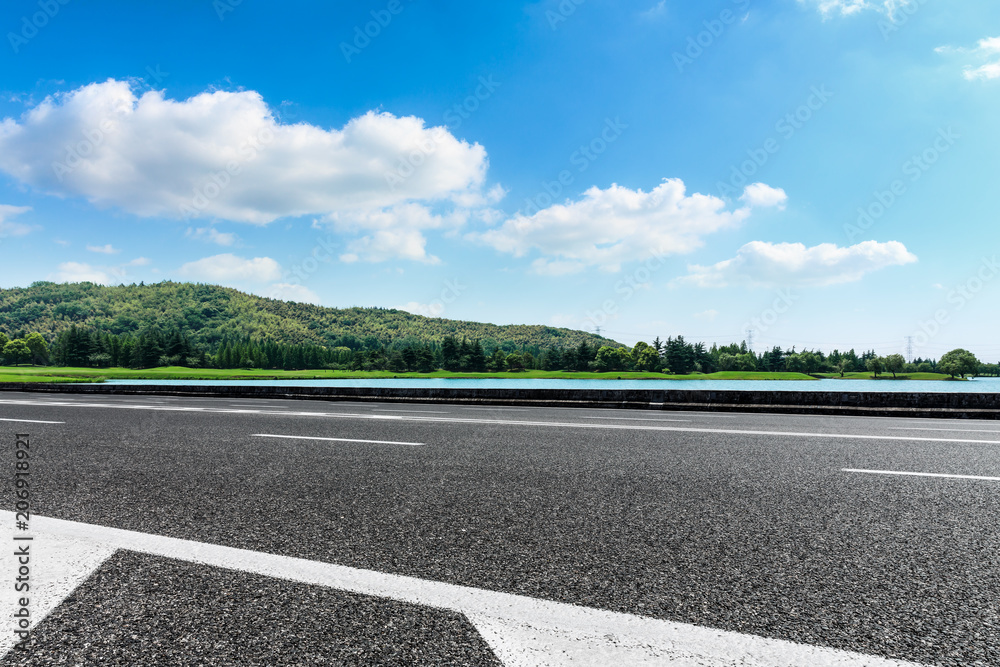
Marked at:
<point>952,405</point>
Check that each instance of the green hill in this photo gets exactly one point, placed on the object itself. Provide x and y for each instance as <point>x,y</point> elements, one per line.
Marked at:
<point>209,313</point>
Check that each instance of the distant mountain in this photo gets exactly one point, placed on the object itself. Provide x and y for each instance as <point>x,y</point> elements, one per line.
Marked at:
<point>209,313</point>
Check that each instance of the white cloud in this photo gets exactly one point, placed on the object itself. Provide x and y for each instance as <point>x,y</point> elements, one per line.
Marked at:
<point>849,7</point>
<point>759,195</point>
<point>74,272</point>
<point>225,155</point>
<point>78,272</point>
<point>8,228</point>
<point>212,235</point>
<point>707,315</point>
<point>107,249</point>
<point>435,309</point>
<point>656,11</point>
<point>761,264</point>
<point>608,227</point>
<point>290,292</point>
<point>395,232</point>
<point>229,268</point>
<point>986,50</point>
<point>389,244</point>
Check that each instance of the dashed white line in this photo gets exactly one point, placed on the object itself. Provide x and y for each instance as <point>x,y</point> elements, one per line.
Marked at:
<point>548,424</point>
<point>29,421</point>
<point>427,412</point>
<point>309,437</point>
<point>920,474</point>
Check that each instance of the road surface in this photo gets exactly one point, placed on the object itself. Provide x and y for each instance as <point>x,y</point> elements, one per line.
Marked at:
<point>234,531</point>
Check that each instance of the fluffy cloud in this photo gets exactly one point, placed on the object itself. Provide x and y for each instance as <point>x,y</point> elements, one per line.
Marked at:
<point>392,232</point>
<point>290,292</point>
<point>106,249</point>
<point>786,264</point>
<point>435,309</point>
<point>8,228</point>
<point>608,227</point>
<point>228,268</point>
<point>225,155</point>
<point>987,56</point>
<point>79,272</point>
<point>76,272</point>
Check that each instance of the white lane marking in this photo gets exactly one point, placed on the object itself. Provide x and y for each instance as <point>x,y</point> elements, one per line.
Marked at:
<point>58,565</point>
<point>638,419</point>
<point>920,474</point>
<point>505,422</point>
<point>961,430</point>
<point>526,630</point>
<point>28,421</point>
<point>428,412</point>
<point>495,407</point>
<point>308,437</point>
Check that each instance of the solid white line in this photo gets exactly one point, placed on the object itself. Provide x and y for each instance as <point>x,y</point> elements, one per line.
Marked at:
<point>920,474</point>
<point>962,430</point>
<point>527,630</point>
<point>429,412</point>
<point>307,437</point>
<point>28,421</point>
<point>638,419</point>
<point>503,422</point>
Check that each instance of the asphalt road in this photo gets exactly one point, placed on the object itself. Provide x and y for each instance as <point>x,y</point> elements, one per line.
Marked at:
<point>754,524</point>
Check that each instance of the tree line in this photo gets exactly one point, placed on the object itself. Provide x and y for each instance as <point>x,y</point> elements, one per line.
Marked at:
<point>210,314</point>
<point>83,347</point>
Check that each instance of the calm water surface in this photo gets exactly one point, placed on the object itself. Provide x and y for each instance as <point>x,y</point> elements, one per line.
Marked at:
<point>978,385</point>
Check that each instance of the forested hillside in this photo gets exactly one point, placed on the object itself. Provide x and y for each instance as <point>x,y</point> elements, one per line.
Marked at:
<point>209,314</point>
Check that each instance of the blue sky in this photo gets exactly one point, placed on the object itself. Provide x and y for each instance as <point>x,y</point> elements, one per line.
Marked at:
<point>818,171</point>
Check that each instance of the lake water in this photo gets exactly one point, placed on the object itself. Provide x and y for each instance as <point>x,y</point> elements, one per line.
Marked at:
<point>978,385</point>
